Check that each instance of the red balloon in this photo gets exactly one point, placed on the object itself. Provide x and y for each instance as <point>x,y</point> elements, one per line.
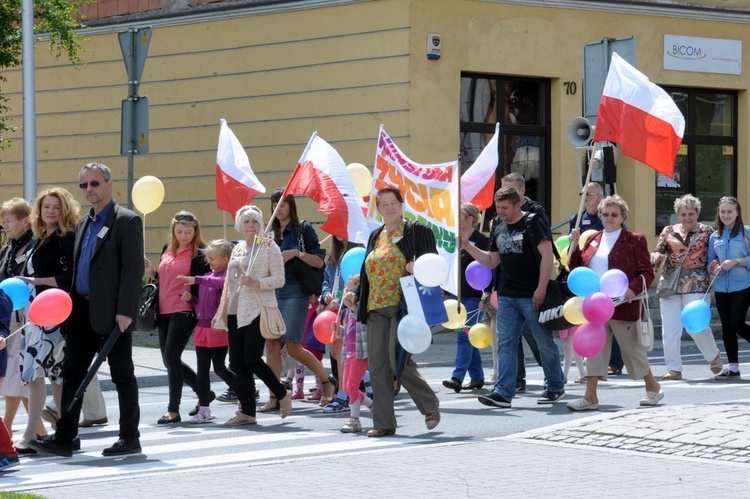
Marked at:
<point>589,339</point>
<point>50,308</point>
<point>322,327</point>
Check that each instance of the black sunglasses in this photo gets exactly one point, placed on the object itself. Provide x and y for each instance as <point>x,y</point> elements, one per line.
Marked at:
<point>93,183</point>
<point>184,218</point>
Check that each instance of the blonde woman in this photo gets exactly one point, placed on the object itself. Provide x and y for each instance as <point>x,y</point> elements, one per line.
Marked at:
<point>256,270</point>
<point>177,319</point>
<point>50,265</point>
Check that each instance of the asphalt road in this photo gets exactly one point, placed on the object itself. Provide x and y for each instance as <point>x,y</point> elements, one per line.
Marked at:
<point>309,432</point>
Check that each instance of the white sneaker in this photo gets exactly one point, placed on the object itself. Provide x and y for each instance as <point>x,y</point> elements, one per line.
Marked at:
<point>203,416</point>
<point>352,426</point>
<point>652,398</point>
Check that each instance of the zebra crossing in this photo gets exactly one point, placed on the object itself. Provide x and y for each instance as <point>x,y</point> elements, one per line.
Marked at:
<point>182,448</point>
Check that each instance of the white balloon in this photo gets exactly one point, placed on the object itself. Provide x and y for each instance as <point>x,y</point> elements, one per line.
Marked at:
<point>414,335</point>
<point>431,269</point>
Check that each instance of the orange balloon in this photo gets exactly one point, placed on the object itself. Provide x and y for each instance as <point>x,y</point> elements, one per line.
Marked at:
<point>322,327</point>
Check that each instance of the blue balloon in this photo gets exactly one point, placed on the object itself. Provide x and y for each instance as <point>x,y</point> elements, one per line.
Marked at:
<point>17,290</point>
<point>352,262</point>
<point>583,281</point>
<point>696,316</point>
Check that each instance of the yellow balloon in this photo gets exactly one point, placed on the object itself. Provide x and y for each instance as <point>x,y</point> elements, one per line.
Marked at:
<point>456,319</point>
<point>480,335</point>
<point>573,311</point>
<point>148,194</point>
<point>564,256</point>
<point>361,178</point>
<point>585,237</point>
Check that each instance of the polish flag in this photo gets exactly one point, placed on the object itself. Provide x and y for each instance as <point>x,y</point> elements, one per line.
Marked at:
<point>640,116</point>
<point>322,176</point>
<point>478,182</point>
<point>236,184</point>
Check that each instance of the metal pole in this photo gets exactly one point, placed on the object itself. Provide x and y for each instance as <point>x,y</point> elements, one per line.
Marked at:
<point>29,100</point>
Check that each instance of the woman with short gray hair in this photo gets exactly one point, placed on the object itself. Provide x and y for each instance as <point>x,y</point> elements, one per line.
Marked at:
<point>684,246</point>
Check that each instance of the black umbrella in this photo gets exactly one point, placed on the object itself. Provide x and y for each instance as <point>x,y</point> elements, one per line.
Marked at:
<point>103,352</point>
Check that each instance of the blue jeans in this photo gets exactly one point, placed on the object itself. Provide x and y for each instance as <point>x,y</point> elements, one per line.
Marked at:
<point>467,356</point>
<point>512,312</point>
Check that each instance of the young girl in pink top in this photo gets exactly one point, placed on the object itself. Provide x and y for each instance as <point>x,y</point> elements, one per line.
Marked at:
<point>211,345</point>
<point>355,343</point>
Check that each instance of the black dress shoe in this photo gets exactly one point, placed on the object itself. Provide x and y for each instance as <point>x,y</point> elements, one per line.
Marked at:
<point>167,419</point>
<point>122,447</point>
<point>453,383</point>
<point>26,451</point>
<point>474,385</point>
<point>51,445</point>
<point>77,443</point>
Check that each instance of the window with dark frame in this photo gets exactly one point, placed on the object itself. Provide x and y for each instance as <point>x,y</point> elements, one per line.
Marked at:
<point>524,142</point>
<point>706,165</point>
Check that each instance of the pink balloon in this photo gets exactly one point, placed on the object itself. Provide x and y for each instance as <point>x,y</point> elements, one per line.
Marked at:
<point>598,308</point>
<point>322,327</point>
<point>493,299</point>
<point>589,339</point>
<point>50,308</point>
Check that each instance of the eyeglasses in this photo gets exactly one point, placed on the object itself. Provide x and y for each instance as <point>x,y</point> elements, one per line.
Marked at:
<point>728,198</point>
<point>606,214</point>
<point>184,218</point>
<point>588,194</point>
<point>85,185</point>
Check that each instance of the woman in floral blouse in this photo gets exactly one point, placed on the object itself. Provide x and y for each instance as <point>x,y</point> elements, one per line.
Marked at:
<point>391,251</point>
<point>685,244</point>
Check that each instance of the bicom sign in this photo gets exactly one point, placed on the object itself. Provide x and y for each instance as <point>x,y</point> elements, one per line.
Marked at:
<point>705,55</point>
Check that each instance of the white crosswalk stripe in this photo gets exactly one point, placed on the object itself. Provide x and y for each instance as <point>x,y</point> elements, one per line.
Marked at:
<point>164,449</point>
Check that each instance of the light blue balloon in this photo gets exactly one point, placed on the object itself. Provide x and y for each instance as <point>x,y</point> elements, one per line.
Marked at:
<point>352,262</point>
<point>17,290</point>
<point>583,281</point>
<point>696,316</point>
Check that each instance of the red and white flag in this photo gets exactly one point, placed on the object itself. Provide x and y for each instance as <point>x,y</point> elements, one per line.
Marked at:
<point>478,182</point>
<point>322,176</point>
<point>236,184</point>
<point>640,116</point>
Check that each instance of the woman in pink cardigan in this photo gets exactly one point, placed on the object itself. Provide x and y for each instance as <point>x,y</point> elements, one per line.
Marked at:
<point>255,270</point>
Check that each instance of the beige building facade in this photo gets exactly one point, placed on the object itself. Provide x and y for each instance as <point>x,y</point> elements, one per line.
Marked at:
<point>278,71</point>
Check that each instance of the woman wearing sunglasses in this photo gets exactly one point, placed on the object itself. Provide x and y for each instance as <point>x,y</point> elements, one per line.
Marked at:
<point>182,256</point>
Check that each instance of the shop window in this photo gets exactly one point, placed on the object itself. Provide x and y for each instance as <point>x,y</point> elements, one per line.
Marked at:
<point>523,111</point>
<point>706,165</point>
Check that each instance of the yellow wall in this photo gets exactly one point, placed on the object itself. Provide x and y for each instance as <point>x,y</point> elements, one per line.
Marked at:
<point>339,70</point>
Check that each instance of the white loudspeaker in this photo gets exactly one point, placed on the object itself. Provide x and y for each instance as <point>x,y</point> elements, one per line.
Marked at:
<point>579,132</point>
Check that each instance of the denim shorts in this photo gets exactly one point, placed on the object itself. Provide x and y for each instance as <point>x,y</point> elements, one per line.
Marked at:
<point>293,304</point>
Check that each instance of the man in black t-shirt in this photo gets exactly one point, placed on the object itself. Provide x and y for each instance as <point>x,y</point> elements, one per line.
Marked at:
<point>522,245</point>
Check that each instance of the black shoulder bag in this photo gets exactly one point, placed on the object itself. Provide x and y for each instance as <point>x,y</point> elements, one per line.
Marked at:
<point>310,278</point>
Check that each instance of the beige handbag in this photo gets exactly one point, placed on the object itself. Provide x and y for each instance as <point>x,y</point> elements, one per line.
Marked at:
<point>645,324</point>
<point>272,324</point>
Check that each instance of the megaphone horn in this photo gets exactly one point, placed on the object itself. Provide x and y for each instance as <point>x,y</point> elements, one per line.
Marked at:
<point>579,132</point>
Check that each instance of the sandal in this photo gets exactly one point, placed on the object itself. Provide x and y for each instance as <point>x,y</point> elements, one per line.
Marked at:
<point>271,405</point>
<point>325,400</point>
<point>286,406</point>
<point>432,418</point>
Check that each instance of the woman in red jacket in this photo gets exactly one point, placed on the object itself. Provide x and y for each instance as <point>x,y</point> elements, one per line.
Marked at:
<point>615,247</point>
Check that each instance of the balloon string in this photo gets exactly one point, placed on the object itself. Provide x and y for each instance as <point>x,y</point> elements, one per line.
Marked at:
<point>710,285</point>
<point>16,331</point>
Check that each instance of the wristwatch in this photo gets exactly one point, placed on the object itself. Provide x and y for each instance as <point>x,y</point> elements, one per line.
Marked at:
<point>739,261</point>
<point>300,255</point>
